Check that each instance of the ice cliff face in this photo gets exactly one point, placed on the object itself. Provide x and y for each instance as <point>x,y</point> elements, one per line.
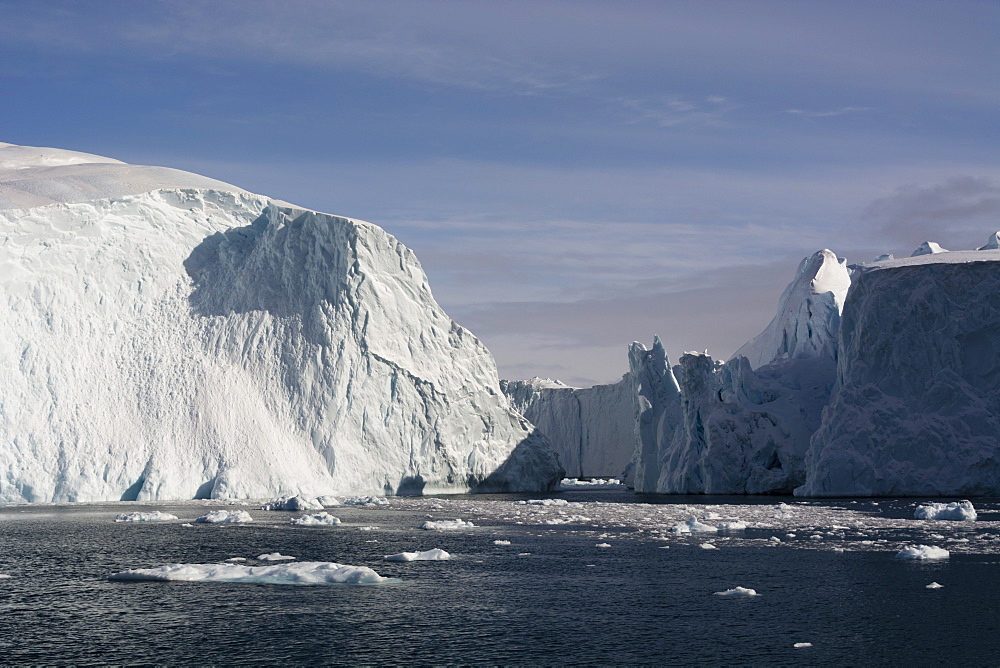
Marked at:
<point>164,343</point>
<point>916,409</point>
<point>743,427</point>
<point>592,430</point>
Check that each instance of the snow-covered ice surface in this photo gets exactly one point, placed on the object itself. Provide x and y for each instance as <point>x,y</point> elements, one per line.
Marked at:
<point>302,573</point>
<point>956,510</point>
<point>154,516</point>
<point>143,310</point>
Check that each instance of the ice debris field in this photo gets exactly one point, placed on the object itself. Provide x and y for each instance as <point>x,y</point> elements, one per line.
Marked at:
<point>912,531</point>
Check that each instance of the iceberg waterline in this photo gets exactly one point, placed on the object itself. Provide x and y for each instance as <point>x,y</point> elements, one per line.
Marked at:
<point>185,339</point>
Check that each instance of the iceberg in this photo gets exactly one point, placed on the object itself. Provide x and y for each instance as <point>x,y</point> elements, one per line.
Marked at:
<point>169,336</point>
<point>591,429</point>
<point>323,519</point>
<point>292,503</point>
<point>916,406</point>
<point>923,552</point>
<point>957,510</point>
<point>743,426</point>
<point>225,517</point>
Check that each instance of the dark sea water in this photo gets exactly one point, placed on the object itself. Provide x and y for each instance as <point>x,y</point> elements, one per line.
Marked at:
<point>565,602</point>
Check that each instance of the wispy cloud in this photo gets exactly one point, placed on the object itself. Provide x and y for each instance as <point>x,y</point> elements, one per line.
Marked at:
<point>826,114</point>
<point>672,111</point>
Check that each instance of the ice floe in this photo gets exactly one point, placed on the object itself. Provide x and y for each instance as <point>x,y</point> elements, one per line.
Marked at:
<point>436,554</point>
<point>802,645</point>
<point>274,556</point>
<point>542,502</point>
<point>591,484</point>
<point>446,525</point>
<point>692,525</point>
<point>299,573</point>
<point>225,517</point>
<point>737,591</point>
<point>934,585</point>
<point>323,519</point>
<point>603,545</point>
<point>958,510</point>
<point>501,542</point>
<point>365,501</point>
<point>923,552</point>
<point>153,516</point>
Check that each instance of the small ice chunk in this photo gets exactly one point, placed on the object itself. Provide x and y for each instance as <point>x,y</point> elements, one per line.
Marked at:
<point>274,556</point>
<point>732,526</point>
<point>737,591</point>
<point>154,516</point>
<point>957,510</point>
<point>934,585</point>
<point>501,542</point>
<point>923,552</point>
<point>436,554</point>
<point>4,576</point>
<point>328,501</point>
<point>446,525</point>
<point>542,502</point>
<point>366,501</point>
<point>236,559</point>
<point>323,519</point>
<point>708,546</point>
<point>299,573</point>
<point>774,539</point>
<point>225,517</point>
<point>603,545</point>
<point>692,525</point>
<point>800,645</point>
<point>293,503</point>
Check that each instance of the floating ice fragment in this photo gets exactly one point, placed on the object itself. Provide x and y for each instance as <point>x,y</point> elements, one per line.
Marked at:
<point>366,501</point>
<point>436,554</point>
<point>542,502</point>
<point>274,556</point>
<point>446,525</point>
<point>301,573</point>
<point>501,542</point>
<point>692,525</point>
<point>737,591</point>
<point>236,559</point>
<point>958,510</point>
<point>708,546</point>
<point>922,552</point>
<point>800,645</point>
<point>154,516</point>
<point>4,576</point>
<point>774,539</point>
<point>324,519</point>
<point>934,585</point>
<point>293,503</point>
<point>225,517</point>
<point>327,501</point>
<point>603,545</point>
<point>595,483</point>
<point>732,526</point>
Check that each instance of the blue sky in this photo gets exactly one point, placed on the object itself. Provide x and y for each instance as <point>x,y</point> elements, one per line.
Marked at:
<point>573,175</point>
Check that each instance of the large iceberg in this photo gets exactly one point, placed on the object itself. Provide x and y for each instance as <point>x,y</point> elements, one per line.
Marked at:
<point>591,429</point>
<point>916,407</point>
<point>168,336</point>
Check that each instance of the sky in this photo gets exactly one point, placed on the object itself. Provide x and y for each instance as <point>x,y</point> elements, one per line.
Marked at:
<point>573,176</point>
